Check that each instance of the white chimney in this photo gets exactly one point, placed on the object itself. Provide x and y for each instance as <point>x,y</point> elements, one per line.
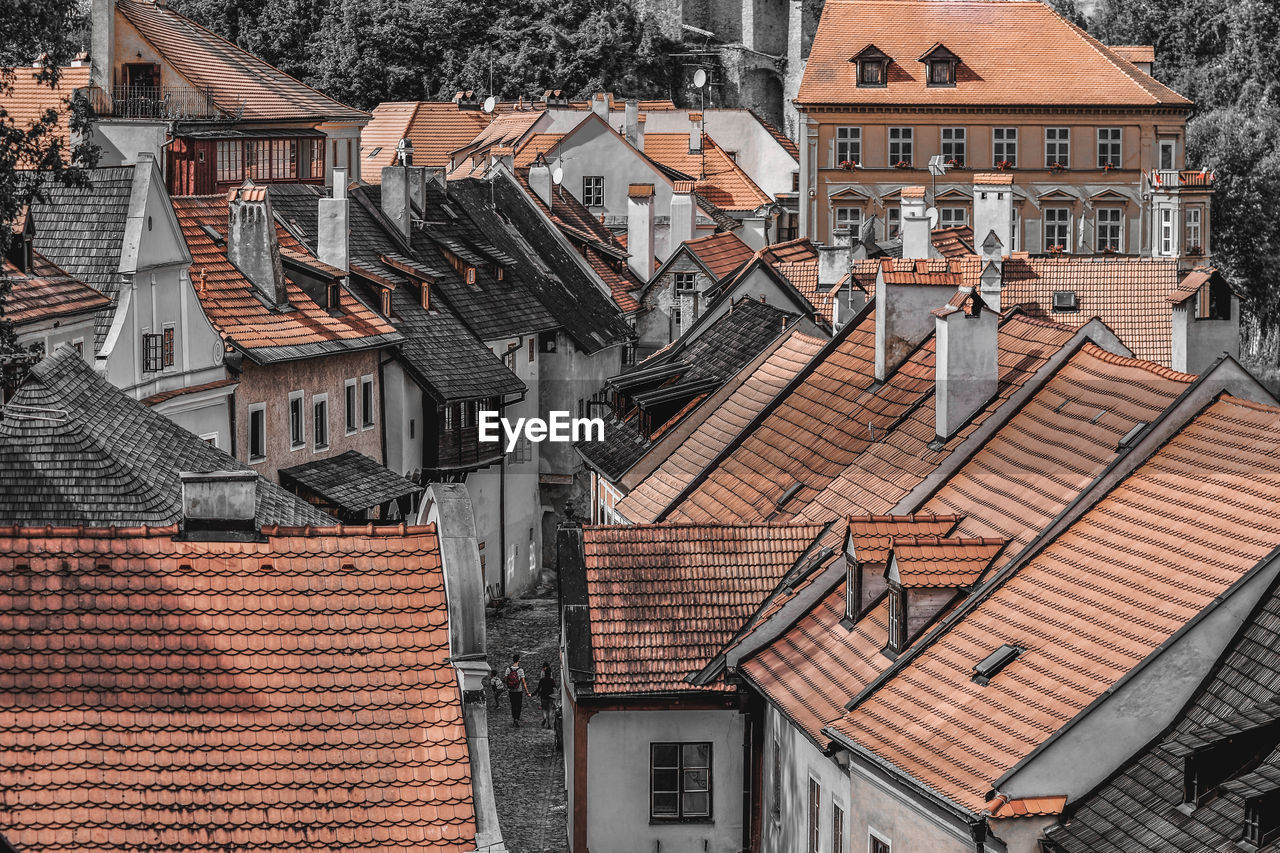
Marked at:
<point>755,231</point>
<point>251,242</point>
<point>540,180</point>
<point>333,225</point>
<point>403,188</point>
<point>991,282</point>
<point>640,123</point>
<point>631,121</point>
<point>218,504</point>
<point>102,43</point>
<point>993,212</point>
<point>695,133</point>
<point>600,105</point>
<point>916,239</point>
<point>683,213</point>
<point>967,366</point>
<point>907,291</point>
<point>640,218</point>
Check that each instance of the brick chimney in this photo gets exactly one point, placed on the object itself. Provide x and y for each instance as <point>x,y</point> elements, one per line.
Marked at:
<point>695,133</point>
<point>967,371</point>
<point>683,213</point>
<point>334,225</point>
<point>916,240</point>
<point>540,179</point>
<point>102,42</point>
<point>640,217</point>
<point>219,504</point>
<point>251,242</point>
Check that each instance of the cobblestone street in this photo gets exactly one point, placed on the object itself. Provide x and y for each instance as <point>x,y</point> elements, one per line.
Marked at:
<point>528,771</point>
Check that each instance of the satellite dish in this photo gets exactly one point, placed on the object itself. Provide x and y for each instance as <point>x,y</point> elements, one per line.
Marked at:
<point>557,176</point>
<point>932,213</point>
<point>489,103</point>
<point>699,78</point>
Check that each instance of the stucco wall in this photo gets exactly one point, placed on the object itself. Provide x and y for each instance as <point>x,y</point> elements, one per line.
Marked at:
<point>904,822</point>
<point>402,412</point>
<point>784,818</point>
<point>1198,343</point>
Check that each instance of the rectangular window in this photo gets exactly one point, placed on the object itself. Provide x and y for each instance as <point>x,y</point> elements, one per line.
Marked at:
<point>877,843</point>
<point>837,829</point>
<point>1057,228</point>
<point>871,73</point>
<point>351,404</point>
<point>168,347</point>
<point>255,159</point>
<point>953,217</point>
<point>1057,147</point>
<point>683,297</point>
<point>257,432</point>
<point>1110,226</point>
<point>593,190</point>
<point>152,352</point>
<point>897,633</point>
<point>1168,150</point>
<point>366,401</point>
<point>532,344</point>
<point>320,421</point>
<point>230,165</point>
<point>1108,148</point>
<point>775,780</point>
<point>900,145</point>
<point>848,146</point>
<point>1166,231</point>
<point>815,815</point>
<point>954,141</point>
<point>679,781</point>
<point>1004,147</point>
<point>297,427</point>
<point>848,221</point>
<point>893,222</point>
<point>1194,232</point>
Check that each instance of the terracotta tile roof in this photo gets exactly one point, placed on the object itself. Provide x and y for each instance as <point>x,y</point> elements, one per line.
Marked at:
<point>989,178</point>
<point>46,293</point>
<point>912,192</point>
<point>643,503</point>
<point>230,303</point>
<point>537,144</point>
<point>242,85</point>
<point>953,242</point>
<point>871,536</point>
<point>1135,53</point>
<point>664,598</point>
<point>436,129</point>
<point>721,253</point>
<point>785,141</point>
<point>174,393</point>
<point>1037,49</point>
<point>717,178</point>
<point>30,99</point>
<point>957,736</point>
<point>285,694</point>
<point>790,251</point>
<point>956,561</point>
<point>1026,806</point>
<point>507,129</point>
<point>939,271</point>
<point>1191,284</point>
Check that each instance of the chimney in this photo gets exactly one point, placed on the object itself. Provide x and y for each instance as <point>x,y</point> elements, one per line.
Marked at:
<point>631,122</point>
<point>403,188</point>
<point>683,213</point>
<point>640,123</point>
<point>640,230</point>
<point>219,504</point>
<point>695,133</point>
<point>251,241</point>
<point>907,291</point>
<point>333,225</point>
<point>540,179</point>
<point>916,240</point>
<point>967,370</point>
<point>600,105</point>
<point>102,42</point>
<point>404,152</point>
<point>993,213</point>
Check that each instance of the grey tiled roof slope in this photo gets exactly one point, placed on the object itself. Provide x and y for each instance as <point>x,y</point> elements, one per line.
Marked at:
<point>75,450</point>
<point>1134,812</point>
<point>444,356</point>
<point>350,480</point>
<point>81,229</point>
<point>726,346</point>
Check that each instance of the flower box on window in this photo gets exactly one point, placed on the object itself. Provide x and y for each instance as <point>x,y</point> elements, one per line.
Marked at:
<point>847,165</point>
<point>1055,250</point>
<point>1195,250</point>
<point>1004,165</point>
<point>953,163</point>
<point>902,164</point>
<point>1109,167</point>
<point>1057,168</point>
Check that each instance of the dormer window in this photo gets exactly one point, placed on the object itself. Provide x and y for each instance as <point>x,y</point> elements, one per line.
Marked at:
<point>471,275</point>
<point>1206,766</point>
<point>852,588</point>
<point>500,271</point>
<point>897,617</point>
<point>426,296</point>
<point>873,66</point>
<point>940,66</point>
<point>1262,819</point>
<point>386,303</point>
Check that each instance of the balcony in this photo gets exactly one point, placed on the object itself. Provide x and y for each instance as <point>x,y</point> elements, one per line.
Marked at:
<point>1185,178</point>
<point>155,103</point>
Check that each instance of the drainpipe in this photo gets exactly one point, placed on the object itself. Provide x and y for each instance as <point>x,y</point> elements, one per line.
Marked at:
<point>978,832</point>
<point>502,526</point>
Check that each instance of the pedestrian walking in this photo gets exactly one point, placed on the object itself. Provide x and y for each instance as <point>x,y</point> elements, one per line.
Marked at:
<point>547,693</point>
<point>517,687</point>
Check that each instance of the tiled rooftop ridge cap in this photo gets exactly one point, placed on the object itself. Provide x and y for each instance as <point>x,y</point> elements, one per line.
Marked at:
<point>928,540</point>
<point>914,517</point>
<point>1127,361</point>
<point>147,531</point>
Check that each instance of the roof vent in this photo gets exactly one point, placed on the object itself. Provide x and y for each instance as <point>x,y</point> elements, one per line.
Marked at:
<point>789,494</point>
<point>214,234</point>
<point>994,662</point>
<point>1065,300</point>
<point>1131,436</point>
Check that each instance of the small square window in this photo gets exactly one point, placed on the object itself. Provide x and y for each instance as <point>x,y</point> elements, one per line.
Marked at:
<point>593,190</point>
<point>679,781</point>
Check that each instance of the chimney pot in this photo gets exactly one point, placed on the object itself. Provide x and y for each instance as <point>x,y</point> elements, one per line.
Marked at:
<point>218,504</point>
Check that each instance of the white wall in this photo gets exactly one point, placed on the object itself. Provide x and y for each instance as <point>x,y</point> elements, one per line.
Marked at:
<point>759,154</point>
<point>401,403</point>
<point>784,816</point>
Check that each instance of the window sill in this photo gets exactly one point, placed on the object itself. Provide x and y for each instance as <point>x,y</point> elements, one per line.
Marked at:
<point>293,448</point>
<point>680,821</point>
<point>254,460</point>
<point>320,447</point>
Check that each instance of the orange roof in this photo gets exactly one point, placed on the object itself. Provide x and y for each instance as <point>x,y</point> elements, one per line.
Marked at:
<point>242,84</point>
<point>939,271</point>
<point>537,144</point>
<point>46,293</point>
<point>953,242</point>
<point>1191,284</point>
<point>230,303</point>
<point>1012,52</point>
<point>993,178</point>
<point>664,598</point>
<point>290,694</point>
<point>1161,546</point>
<point>30,99</point>
<point>717,178</point>
<point>721,253</point>
<point>943,561</point>
<point>872,536</point>
<point>643,503</point>
<point>435,128</point>
<point>1003,807</point>
<point>1135,53</point>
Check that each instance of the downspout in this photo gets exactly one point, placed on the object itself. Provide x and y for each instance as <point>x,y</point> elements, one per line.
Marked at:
<point>502,526</point>
<point>748,772</point>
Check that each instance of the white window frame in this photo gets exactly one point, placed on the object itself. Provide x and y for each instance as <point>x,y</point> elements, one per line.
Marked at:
<point>367,381</point>
<point>1198,225</point>
<point>1004,137</point>
<point>294,443</point>
<point>837,228</point>
<point>907,138</point>
<point>812,819</point>
<point>1166,231</point>
<point>318,400</point>
<point>1118,224</point>
<point>848,145</point>
<point>248,450</point>
<point>1045,223</point>
<point>944,211</point>
<point>1015,229</point>
<point>1061,143</point>
<point>874,835</point>
<point>837,840</point>
<point>593,197</point>
<point>957,146</point>
<point>1171,145</point>
<point>1114,151</point>
<point>892,222</point>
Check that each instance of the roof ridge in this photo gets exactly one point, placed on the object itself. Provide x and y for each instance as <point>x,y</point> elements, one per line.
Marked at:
<point>147,531</point>
<point>933,539</point>
<point>1131,361</point>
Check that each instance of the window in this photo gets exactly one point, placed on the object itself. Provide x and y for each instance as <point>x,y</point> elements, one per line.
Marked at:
<point>167,346</point>
<point>386,303</point>
<point>942,72</point>
<point>1057,228</point>
<point>320,421</point>
<point>1262,819</point>
<point>297,431</point>
<point>1194,244</point>
<point>255,159</point>
<point>775,780</point>
<point>893,222</point>
<point>682,302</point>
<point>897,621</point>
<point>953,217</point>
<point>593,190</point>
<point>848,220</point>
<point>366,401</point>
<point>471,275</point>
<point>1016,231</point>
<point>350,393</point>
<point>954,141</point>
<point>1108,148</point>
<point>679,781</point>
<point>1110,225</point>
<point>522,452</point>
<point>1227,758</point>
<point>257,432</point>
<point>848,146</point>
<point>1166,231</point>
<point>900,145</point>
<point>1004,147</point>
<point>871,70</point>
<point>815,815</point>
<point>852,589</point>
<point>1168,151</point>
<point>532,344</point>
<point>877,843</point>
<point>152,352</point>
<point>230,163</point>
<point>837,829</point>
<point>1057,147</point>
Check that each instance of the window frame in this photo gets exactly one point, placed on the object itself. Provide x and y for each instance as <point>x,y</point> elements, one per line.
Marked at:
<point>907,138</point>
<point>683,283</point>
<point>1166,231</point>
<point>152,351</point>
<point>880,78</point>
<point>852,590</point>
<point>878,842</point>
<point>814,822</point>
<point>957,147</point>
<point>949,78</point>
<point>168,346</point>
<point>1060,146</point>
<point>1008,146</point>
<point>681,769</point>
<point>892,222</point>
<point>1066,234</point>
<point>1112,157</point>
<point>368,417</point>
<point>351,406</point>
<point>319,421</point>
<point>1187,226</point>
<point>298,427</point>
<point>837,827</point>
<point>1171,145</point>
<point>593,191</point>
<point>1099,224</point>
<point>851,143</point>
<point>846,209</point>
<point>259,409</point>
<point>964,217</point>
<point>897,620</point>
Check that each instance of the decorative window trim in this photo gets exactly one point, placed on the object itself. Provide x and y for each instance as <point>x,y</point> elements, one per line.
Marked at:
<point>258,409</point>
<point>298,430</point>
<point>320,422</point>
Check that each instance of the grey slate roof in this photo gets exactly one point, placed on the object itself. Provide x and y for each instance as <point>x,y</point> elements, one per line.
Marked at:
<point>444,356</point>
<point>680,373</point>
<point>350,481</point>
<point>1134,811</point>
<point>75,450</point>
<point>81,229</point>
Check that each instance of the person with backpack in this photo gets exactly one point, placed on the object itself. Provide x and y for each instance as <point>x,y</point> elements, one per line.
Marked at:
<point>547,693</point>
<point>517,687</point>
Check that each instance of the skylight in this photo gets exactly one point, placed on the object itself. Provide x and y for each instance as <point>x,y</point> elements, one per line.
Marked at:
<point>214,235</point>
<point>1131,436</point>
<point>993,663</point>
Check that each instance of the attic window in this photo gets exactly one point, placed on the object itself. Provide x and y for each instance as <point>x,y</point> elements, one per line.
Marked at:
<point>471,275</point>
<point>1262,819</point>
<point>873,67</point>
<point>375,152</point>
<point>426,296</point>
<point>1065,300</point>
<point>500,271</point>
<point>1208,767</point>
<point>213,234</point>
<point>992,664</point>
<point>386,303</point>
<point>940,66</point>
<point>897,621</point>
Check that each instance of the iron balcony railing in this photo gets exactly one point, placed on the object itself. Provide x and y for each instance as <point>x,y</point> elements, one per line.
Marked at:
<point>163,103</point>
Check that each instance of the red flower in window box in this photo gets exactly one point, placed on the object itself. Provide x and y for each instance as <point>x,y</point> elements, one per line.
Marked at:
<point>902,164</point>
<point>1004,166</point>
<point>847,165</point>
<point>1109,167</point>
<point>1195,250</point>
<point>1057,168</point>
<point>1055,250</point>
<point>953,163</point>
